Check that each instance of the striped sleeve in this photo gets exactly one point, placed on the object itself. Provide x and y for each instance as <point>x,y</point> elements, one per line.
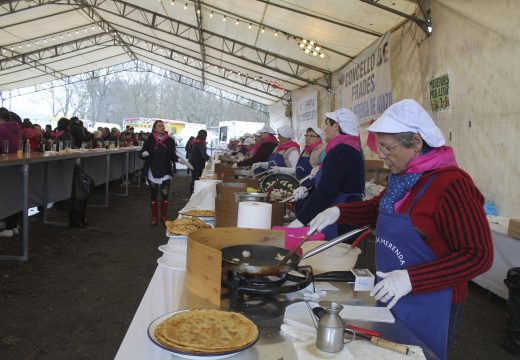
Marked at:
<point>360,213</point>
<point>462,223</point>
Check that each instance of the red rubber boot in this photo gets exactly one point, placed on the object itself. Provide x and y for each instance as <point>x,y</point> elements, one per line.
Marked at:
<point>153,207</point>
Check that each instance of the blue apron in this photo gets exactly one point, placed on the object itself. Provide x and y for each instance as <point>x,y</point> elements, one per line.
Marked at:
<point>303,168</point>
<point>276,159</point>
<point>331,231</point>
<point>399,246</point>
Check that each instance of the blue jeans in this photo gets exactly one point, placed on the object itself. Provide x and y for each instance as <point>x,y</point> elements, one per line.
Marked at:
<point>456,314</point>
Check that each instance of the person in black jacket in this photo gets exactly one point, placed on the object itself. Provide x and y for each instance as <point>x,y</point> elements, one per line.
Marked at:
<point>159,154</point>
<point>188,149</point>
<point>198,156</point>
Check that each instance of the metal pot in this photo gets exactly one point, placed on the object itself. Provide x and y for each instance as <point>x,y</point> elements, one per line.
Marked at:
<point>250,196</point>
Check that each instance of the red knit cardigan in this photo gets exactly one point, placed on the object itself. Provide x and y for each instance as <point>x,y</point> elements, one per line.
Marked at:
<point>451,219</point>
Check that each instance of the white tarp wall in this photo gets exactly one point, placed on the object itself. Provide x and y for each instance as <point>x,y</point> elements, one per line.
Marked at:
<point>477,43</point>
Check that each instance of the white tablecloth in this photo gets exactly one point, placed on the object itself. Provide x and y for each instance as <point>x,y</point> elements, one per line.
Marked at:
<point>507,256</point>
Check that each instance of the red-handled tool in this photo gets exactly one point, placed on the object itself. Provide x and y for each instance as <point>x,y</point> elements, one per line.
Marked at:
<point>360,238</point>
<point>362,331</point>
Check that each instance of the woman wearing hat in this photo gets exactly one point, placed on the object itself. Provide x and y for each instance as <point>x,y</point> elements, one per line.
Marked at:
<point>341,177</point>
<point>311,158</point>
<point>267,144</point>
<point>159,152</point>
<point>432,235</point>
<point>286,152</point>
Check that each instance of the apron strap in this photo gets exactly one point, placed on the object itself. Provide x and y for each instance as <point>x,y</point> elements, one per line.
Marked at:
<point>420,193</point>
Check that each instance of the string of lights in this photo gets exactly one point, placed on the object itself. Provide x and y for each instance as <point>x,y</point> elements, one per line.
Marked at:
<point>314,50</point>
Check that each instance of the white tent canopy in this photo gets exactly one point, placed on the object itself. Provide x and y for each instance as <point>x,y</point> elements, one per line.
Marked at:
<point>254,49</point>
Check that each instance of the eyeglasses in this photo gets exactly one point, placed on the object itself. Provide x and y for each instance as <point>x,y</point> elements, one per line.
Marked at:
<point>311,135</point>
<point>387,150</point>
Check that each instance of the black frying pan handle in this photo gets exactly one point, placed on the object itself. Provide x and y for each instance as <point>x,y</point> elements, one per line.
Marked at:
<point>336,276</point>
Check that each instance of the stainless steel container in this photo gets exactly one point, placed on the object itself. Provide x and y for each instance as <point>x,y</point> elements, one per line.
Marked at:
<point>250,196</point>
<point>331,329</point>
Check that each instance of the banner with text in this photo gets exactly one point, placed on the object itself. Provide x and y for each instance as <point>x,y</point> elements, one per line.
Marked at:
<point>307,115</point>
<point>365,84</point>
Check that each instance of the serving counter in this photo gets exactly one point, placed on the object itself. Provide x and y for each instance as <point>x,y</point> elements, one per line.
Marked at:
<point>37,179</point>
<point>167,293</point>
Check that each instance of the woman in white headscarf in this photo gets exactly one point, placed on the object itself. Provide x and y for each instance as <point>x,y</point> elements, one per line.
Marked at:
<point>341,177</point>
<point>285,154</point>
<point>432,235</point>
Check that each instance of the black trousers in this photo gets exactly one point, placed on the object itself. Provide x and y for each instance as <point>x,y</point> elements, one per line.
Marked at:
<point>195,175</point>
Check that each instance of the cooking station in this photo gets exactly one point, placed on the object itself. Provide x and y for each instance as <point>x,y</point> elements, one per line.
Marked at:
<point>263,303</point>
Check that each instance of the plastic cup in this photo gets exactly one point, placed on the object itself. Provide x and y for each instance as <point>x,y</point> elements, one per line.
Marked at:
<point>4,147</point>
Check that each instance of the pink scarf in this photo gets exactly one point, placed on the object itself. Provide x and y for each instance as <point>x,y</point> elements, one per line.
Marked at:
<point>269,138</point>
<point>160,141</point>
<point>349,140</point>
<point>308,148</point>
<point>435,158</point>
<point>289,144</point>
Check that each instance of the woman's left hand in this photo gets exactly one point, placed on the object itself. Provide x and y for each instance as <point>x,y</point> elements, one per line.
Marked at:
<point>395,285</point>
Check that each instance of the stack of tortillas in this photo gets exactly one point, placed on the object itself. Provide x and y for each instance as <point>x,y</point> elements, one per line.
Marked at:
<point>206,331</point>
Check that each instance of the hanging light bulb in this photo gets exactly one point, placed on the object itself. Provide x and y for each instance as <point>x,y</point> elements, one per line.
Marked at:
<point>237,22</point>
<point>68,34</point>
<point>28,44</point>
<point>307,51</point>
<point>198,11</point>
<point>322,55</point>
<point>185,6</point>
<point>93,27</point>
<point>250,26</point>
<point>302,45</point>
<point>53,38</point>
<point>304,41</point>
<point>211,14</point>
<point>172,2</point>
<point>311,42</point>
<point>318,48</point>
<point>77,31</point>
<point>309,47</point>
<point>276,33</point>
<point>263,29</point>
<point>45,40</point>
<point>314,53</point>
<point>224,18</point>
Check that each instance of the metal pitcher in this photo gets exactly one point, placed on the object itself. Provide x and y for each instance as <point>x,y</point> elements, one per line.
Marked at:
<point>331,329</point>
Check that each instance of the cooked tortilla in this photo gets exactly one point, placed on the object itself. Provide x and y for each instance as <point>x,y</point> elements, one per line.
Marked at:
<point>206,331</point>
<point>209,213</point>
<point>185,226</point>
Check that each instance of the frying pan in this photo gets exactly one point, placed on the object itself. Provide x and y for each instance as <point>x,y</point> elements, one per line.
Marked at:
<point>264,260</point>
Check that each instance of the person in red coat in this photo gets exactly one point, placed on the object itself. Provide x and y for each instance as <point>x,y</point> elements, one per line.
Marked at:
<point>432,235</point>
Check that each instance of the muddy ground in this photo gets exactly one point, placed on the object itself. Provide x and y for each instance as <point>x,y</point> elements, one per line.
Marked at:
<point>77,294</point>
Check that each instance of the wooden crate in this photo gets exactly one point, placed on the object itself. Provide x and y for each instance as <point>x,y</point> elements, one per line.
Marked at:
<point>513,229</point>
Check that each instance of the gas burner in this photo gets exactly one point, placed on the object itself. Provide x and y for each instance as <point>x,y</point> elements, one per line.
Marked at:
<point>265,286</point>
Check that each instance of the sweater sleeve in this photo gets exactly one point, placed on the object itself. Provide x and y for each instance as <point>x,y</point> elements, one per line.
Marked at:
<point>293,158</point>
<point>462,223</point>
<point>360,213</point>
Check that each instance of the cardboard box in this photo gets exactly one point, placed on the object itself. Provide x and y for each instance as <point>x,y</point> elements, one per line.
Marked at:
<point>365,280</point>
<point>513,229</point>
<point>375,171</point>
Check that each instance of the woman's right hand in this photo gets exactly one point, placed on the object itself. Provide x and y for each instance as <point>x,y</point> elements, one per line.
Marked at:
<point>323,219</point>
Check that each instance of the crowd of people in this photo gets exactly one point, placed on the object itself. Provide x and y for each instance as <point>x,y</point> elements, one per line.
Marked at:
<point>17,134</point>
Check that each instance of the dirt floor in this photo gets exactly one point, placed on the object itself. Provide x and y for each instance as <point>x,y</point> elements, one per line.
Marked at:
<point>77,294</point>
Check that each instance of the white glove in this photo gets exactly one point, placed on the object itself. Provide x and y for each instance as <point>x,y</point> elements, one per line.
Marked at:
<point>314,171</point>
<point>324,219</point>
<point>145,154</point>
<point>275,170</point>
<point>300,193</point>
<point>261,165</point>
<point>234,165</point>
<point>295,223</point>
<point>186,162</point>
<point>395,285</point>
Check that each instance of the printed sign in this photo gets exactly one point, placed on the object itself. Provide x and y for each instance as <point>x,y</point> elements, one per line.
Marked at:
<point>365,84</point>
<point>307,115</point>
<point>440,93</point>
